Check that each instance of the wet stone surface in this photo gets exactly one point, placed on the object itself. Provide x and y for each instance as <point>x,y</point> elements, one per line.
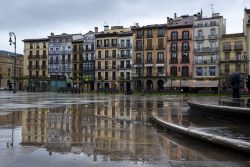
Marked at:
<point>96,130</point>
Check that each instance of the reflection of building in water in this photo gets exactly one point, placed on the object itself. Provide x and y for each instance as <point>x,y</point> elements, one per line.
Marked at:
<point>34,127</point>
<point>9,118</point>
<point>58,129</point>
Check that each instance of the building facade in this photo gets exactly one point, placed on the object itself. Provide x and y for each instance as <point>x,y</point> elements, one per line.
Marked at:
<point>36,64</point>
<point>113,58</point>
<point>246,27</point>
<point>207,33</point>
<point>7,68</point>
<point>77,58</point>
<point>233,56</point>
<point>60,59</point>
<point>149,57</point>
<point>180,48</point>
<point>88,64</point>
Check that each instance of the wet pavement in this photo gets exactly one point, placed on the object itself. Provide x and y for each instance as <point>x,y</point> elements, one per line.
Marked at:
<point>50,129</point>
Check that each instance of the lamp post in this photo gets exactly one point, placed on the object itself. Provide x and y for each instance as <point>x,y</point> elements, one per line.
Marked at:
<point>14,43</point>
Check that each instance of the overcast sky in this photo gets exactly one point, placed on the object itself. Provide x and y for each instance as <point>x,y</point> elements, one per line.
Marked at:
<point>38,18</point>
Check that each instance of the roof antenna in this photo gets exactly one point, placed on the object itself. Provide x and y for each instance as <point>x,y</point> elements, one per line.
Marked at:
<point>212,8</point>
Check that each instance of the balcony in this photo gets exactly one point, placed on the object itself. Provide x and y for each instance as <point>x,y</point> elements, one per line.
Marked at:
<point>227,47</point>
<point>30,67</point>
<point>113,66</point>
<point>185,61</point>
<point>238,47</point>
<point>125,56</point>
<point>206,62</point>
<point>89,50</point>
<point>44,67</point>
<point>138,48</point>
<point>44,56</point>
<point>173,61</point>
<point>185,48</point>
<point>37,67</point>
<point>30,57</point>
<point>214,36</point>
<point>138,61</point>
<point>149,74</point>
<point>149,61</point>
<point>125,46</point>
<point>160,74</point>
<point>160,61</point>
<point>199,38</point>
<point>173,49</point>
<point>206,49</point>
<point>149,47</point>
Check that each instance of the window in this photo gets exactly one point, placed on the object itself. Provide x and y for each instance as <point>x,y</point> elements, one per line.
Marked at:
<point>128,53</point>
<point>227,56</point>
<point>185,35</point>
<point>99,76</point>
<point>114,42</point>
<point>174,35</point>
<point>227,68</point>
<point>113,53</point>
<point>173,46</point>
<point>149,57</point>
<point>122,64</point>
<point>212,71</point>
<point>160,32</point>
<point>106,43</point>
<point>160,56</point>
<point>128,43</point>
<point>173,57</point>
<point>185,71</point>
<point>200,33</point>
<point>185,46</point>
<point>237,56</point>
<point>139,33</point>
<point>99,54</point>
<point>212,31</point>
<point>212,44</point>
<point>149,33</point>
<point>106,54</point>
<point>138,44</point>
<point>198,71</point>
<point>160,70</point>
<point>237,67</point>
<point>99,64</point>
<point>106,64</point>
<point>122,43</point>
<point>99,43</point>
<point>173,71</point>
<point>113,64</point>
<point>138,58</point>
<point>106,75</point>
<point>185,57</point>
<point>113,75</point>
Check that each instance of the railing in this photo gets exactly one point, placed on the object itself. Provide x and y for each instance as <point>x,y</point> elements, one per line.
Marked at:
<point>206,62</point>
<point>36,67</point>
<point>214,36</point>
<point>149,61</point>
<point>160,61</point>
<point>238,47</point>
<point>125,45</point>
<point>185,61</point>
<point>206,49</point>
<point>227,48</point>
<point>125,56</point>
<point>199,38</point>
<point>173,49</point>
<point>173,61</point>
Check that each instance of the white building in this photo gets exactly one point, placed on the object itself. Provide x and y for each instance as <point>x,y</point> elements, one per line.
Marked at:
<point>206,34</point>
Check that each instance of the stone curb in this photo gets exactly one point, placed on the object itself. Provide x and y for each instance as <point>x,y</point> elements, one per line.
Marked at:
<point>235,144</point>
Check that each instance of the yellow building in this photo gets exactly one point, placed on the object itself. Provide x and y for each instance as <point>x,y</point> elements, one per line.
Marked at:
<point>77,58</point>
<point>7,70</point>
<point>149,57</point>
<point>113,58</point>
<point>36,63</point>
<point>233,55</point>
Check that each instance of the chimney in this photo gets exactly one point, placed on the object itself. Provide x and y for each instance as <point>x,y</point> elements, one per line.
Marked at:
<point>96,29</point>
<point>175,15</point>
<point>137,24</point>
<point>106,28</point>
<point>52,34</point>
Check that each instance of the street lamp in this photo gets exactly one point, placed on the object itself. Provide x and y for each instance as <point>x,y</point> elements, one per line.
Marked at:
<point>14,43</point>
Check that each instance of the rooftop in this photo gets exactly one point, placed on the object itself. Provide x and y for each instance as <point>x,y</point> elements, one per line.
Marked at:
<point>7,53</point>
<point>232,35</point>
<point>36,40</point>
<point>181,21</point>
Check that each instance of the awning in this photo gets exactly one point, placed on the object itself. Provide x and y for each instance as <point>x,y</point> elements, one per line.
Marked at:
<point>192,83</point>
